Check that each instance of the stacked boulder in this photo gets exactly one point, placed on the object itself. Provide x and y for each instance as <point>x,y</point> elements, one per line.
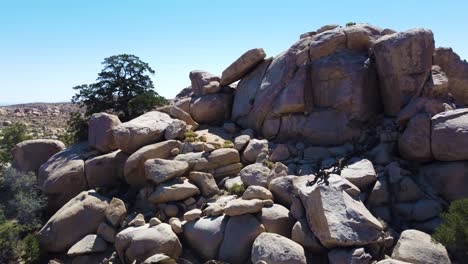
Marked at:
<point>314,161</point>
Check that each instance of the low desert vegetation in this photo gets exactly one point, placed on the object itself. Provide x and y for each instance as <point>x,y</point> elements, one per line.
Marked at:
<point>453,233</point>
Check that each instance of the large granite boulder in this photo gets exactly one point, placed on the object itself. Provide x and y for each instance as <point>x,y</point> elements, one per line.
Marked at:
<point>337,219</point>
<point>415,142</point>
<point>105,170</point>
<point>85,211</point>
<point>239,235</point>
<point>140,243</point>
<point>404,63</point>
<point>417,247</point>
<point>456,71</point>
<point>242,66</point>
<point>211,108</point>
<point>205,235</point>
<point>276,249</point>
<point>447,179</point>
<point>144,130</point>
<point>201,79</point>
<point>62,177</point>
<point>449,135</point>
<point>29,155</point>
<point>178,113</point>
<point>100,131</point>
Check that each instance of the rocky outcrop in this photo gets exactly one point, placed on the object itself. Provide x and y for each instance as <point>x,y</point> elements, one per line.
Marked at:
<point>242,65</point>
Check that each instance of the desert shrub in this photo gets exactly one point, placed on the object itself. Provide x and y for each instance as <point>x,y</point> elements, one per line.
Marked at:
<point>31,251</point>
<point>21,198</point>
<point>453,232</point>
<point>76,130</point>
<point>350,24</point>
<point>9,137</point>
<point>18,244</point>
<point>236,189</point>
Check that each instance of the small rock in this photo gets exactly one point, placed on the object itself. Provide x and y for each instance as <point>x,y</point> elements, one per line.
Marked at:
<point>230,127</point>
<point>257,192</point>
<point>161,170</point>
<point>280,153</point>
<point>107,232</point>
<point>171,210</point>
<point>240,207</point>
<point>205,182</point>
<point>192,215</point>
<point>139,220</point>
<point>276,249</point>
<point>176,225</point>
<point>255,147</point>
<point>214,209</point>
<point>88,245</point>
<point>154,221</point>
<point>116,212</point>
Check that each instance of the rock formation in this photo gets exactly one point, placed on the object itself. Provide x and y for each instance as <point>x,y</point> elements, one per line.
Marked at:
<point>345,148</point>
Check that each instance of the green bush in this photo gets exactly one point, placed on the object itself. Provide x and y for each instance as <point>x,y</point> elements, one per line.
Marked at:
<point>21,198</point>
<point>18,244</point>
<point>9,137</point>
<point>453,232</point>
<point>268,163</point>
<point>350,24</point>
<point>77,129</point>
<point>236,189</point>
<point>228,144</point>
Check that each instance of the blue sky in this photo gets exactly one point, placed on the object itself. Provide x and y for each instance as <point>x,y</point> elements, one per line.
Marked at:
<point>47,47</point>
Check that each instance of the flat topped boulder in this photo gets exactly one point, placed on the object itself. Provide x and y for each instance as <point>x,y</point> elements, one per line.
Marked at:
<point>173,191</point>
<point>360,173</point>
<point>144,130</point>
<point>29,155</point>
<point>337,219</point>
<point>242,66</point>
<point>161,170</point>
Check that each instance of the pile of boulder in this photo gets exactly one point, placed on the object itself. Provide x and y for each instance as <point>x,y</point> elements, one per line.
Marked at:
<point>335,151</point>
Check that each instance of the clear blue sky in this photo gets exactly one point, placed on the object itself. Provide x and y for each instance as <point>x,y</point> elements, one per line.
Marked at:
<point>47,47</point>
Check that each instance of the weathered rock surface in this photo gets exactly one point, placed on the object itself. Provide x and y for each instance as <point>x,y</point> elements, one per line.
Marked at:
<point>447,179</point>
<point>239,236</point>
<point>205,182</point>
<point>62,177</point>
<point>404,63</point>
<point>206,235</point>
<point>178,113</point>
<point>457,72</point>
<point>173,191</point>
<point>451,125</point>
<point>301,234</point>
<point>255,174</point>
<point>360,173</point>
<point>106,170</point>
<point>337,219</point>
<point>241,207</point>
<point>100,131</point>
<point>415,142</point>
<point>257,192</point>
<point>242,66</point>
<point>140,243</point>
<point>88,245</point>
<point>276,249</point>
<point>201,79</point>
<point>211,108</point>
<point>161,170</point>
<point>134,170</point>
<point>276,219</point>
<point>144,130</point>
<point>29,155</point>
<point>417,247</point>
<point>61,232</point>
